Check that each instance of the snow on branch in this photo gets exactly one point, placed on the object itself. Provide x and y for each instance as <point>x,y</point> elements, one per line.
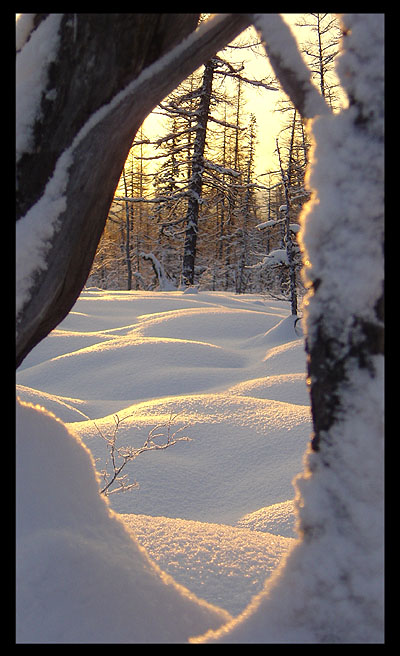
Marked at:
<point>269,224</point>
<point>236,73</point>
<point>274,258</point>
<point>225,124</point>
<point>254,83</point>
<point>142,199</point>
<point>220,169</point>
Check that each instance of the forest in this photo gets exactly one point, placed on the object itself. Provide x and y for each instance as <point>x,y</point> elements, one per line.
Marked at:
<point>164,275</point>
<point>191,207</point>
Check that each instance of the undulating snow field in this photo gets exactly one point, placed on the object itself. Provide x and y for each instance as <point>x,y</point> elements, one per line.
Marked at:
<point>215,512</point>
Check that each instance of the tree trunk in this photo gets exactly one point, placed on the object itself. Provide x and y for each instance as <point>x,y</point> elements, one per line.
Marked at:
<point>240,285</point>
<point>196,181</point>
<point>288,241</point>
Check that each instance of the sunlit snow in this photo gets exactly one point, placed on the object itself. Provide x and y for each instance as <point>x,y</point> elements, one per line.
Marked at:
<point>216,513</point>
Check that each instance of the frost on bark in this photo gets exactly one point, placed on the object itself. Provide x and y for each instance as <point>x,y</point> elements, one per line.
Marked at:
<point>345,309</point>
<point>108,73</point>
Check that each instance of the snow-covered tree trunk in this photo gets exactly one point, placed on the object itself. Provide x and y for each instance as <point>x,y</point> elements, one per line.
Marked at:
<point>341,501</point>
<point>290,249</point>
<point>85,83</point>
<point>330,589</point>
<point>244,254</point>
<point>196,181</point>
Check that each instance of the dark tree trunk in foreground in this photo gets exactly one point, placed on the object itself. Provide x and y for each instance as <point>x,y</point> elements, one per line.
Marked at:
<point>98,56</point>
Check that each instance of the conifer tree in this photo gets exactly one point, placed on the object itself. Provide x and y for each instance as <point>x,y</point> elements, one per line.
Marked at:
<point>320,49</point>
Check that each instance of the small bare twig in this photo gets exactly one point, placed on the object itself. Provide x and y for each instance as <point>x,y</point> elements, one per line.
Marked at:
<point>119,456</point>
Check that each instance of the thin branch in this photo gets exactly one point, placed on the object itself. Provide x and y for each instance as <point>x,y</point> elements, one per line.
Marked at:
<point>289,66</point>
<point>120,456</point>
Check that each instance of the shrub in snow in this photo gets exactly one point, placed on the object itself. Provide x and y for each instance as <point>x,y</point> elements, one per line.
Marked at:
<point>119,456</point>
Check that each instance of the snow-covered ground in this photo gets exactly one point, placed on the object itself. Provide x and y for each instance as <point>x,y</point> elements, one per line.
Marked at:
<point>215,512</point>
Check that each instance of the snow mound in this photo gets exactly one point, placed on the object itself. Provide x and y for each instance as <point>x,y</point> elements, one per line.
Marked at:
<point>243,454</point>
<point>278,518</point>
<point>81,575</point>
<point>210,323</point>
<point>284,359</point>
<point>63,407</point>
<point>289,388</point>
<point>227,565</point>
<point>136,368</point>
<point>61,342</point>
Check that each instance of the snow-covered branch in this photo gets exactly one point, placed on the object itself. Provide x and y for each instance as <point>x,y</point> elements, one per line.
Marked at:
<point>220,169</point>
<point>225,124</point>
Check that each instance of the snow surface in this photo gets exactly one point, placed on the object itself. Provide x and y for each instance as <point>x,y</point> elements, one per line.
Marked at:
<point>215,513</point>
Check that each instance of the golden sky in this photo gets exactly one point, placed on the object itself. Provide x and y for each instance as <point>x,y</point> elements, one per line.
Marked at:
<point>262,103</point>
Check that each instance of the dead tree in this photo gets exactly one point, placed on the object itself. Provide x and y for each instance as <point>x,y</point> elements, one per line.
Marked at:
<point>196,180</point>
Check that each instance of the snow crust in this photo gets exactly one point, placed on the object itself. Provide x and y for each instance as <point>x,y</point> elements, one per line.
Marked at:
<point>218,514</point>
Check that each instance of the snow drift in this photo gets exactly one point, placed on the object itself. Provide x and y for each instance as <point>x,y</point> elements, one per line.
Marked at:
<point>216,513</point>
<point>81,575</point>
<point>203,509</point>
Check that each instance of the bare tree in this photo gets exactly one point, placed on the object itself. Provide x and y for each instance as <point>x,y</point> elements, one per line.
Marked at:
<point>196,181</point>
<point>321,50</point>
<point>290,247</point>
